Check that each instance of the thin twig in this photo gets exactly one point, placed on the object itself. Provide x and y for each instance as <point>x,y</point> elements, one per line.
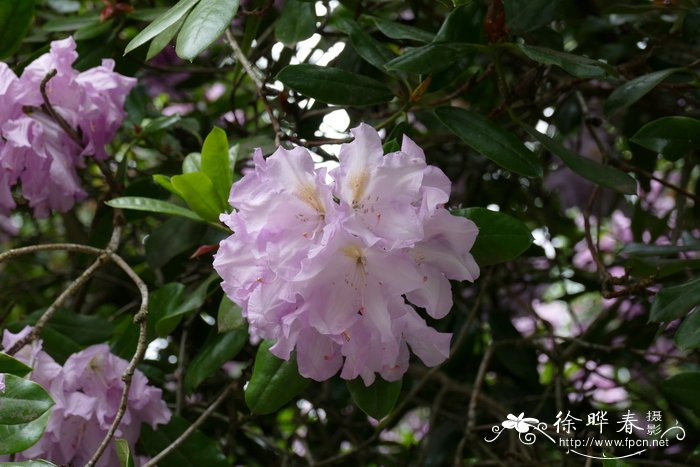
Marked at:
<point>191,429</point>
<point>259,84</point>
<point>48,108</point>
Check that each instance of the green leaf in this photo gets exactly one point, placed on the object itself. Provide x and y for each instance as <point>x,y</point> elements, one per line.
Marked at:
<point>495,143</point>
<point>123,452</point>
<point>196,451</point>
<point>576,65</point>
<point>688,334</point>
<point>198,192</point>
<point>296,23</point>
<point>192,163</point>
<point>229,317</point>
<point>139,203</point>
<point>635,89</point>
<point>159,123</point>
<point>163,22</point>
<point>12,366</point>
<point>274,382</point>
<point>83,329</point>
<point>670,136</point>
<point>676,301</point>
<point>334,86</point>
<point>22,401</point>
<point>17,438</point>
<point>164,302</point>
<point>217,351</point>
<point>161,40</point>
<point>376,400</point>
<point>171,238</point>
<point>400,31</point>
<point>203,26</point>
<point>430,58</point>
<point>527,15</point>
<point>683,389</point>
<point>587,168</point>
<point>193,301</point>
<point>71,23</point>
<point>659,267</point>
<point>373,51</point>
<point>216,163</point>
<point>501,237</point>
<point>164,181</point>
<point>15,20</point>
<point>644,249</point>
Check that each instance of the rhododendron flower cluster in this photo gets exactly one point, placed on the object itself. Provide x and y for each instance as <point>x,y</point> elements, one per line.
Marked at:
<point>87,391</point>
<point>34,149</point>
<point>326,263</point>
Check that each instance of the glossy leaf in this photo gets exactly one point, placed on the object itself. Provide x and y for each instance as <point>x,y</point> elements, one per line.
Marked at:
<point>139,203</point>
<point>167,19</point>
<point>633,90</point>
<point>395,30</point>
<point>576,65</point>
<point>430,58</point>
<point>161,40</point>
<point>367,47</point>
<point>671,136</point>
<point>203,26</point>
<point>274,382</point>
<point>17,438</point>
<point>196,451</point>
<point>192,301</point>
<point>674,302</point>
<point>526,15</point>
<point>22,401</point>
<point>160,123</point>
<point>594,171</point>
<point>688,334</point>
<point>682,389</point>
<point>192,163</point>
<point>229,316</point>
<point>123,452</point>
<point>172,238</point>
<point>376,400</point>
<point>216,163</point>
<point>495,143</point>
<point>199,194</point>
<point>334,86</point>
<point>12,366</point>
<point>164,302</point>
<point>15,19</point>
<point>297,22</point>
<point>501,237</point>
<point>217,351</point>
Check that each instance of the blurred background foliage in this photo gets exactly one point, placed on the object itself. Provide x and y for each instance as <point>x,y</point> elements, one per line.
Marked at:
<point>579,120</point>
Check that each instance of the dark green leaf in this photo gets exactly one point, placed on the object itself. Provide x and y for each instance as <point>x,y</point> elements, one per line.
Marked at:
<point>274,382</point>
<point>688,333</point>
<point>15,20</point>
<point>94,30</point>
<point>164,302</point>
<point>501,237</point>
<point>13,366</point>
<point>334,86</point>
<point>644,249</point>
<point>196,451</point>
<point>229,317</point>
<point>399,31</point>
<point>193,300</point>
<point>217,351</point>
<point>430,58</point>
<point>576,65</point>
<point>659,268</point>
<point>297,22</point>
<point>171,238</point>
<point>159,123</point>
<point>198,192</point>
<point>83,329</point>
<point>376,400</point>
<point>670,136</point>
<point>22,401</point>
<point>463,24</point>
<point>203,26</point>
<point>674,302</point>
<point>587,168</point>
<point>495,143</point>
<point>161,40</point>
<point>526,15</point>
<point>71,23</point>
<point>139,203</point>
<point>373,51</point>
<point>123,453</point>
<point>682,389</point>
<point>216,163</point>
<point>635,89</point>
<point>17,438</point>
<point>167,19</point>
